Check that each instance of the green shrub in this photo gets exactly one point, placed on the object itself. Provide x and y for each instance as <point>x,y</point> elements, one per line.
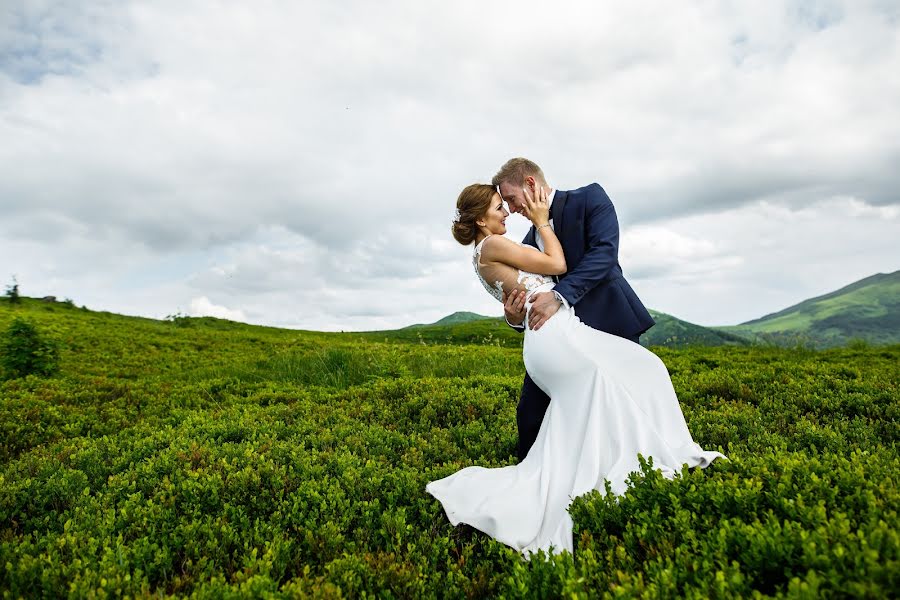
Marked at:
<point>12,292</point>
<point>179,319</point>
<point>26,352</point>
<point>228,460</point>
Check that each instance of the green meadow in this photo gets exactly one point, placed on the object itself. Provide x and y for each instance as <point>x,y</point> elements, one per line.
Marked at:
<point>205,458</point>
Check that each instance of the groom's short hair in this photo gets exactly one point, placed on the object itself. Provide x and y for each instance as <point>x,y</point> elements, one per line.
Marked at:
<point>516,170</point>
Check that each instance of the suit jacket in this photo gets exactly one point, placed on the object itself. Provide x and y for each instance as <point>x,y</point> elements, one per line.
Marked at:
<point>585,222</point>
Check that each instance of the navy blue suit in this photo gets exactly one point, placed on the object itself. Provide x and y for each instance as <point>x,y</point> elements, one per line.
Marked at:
<point>585,222</point>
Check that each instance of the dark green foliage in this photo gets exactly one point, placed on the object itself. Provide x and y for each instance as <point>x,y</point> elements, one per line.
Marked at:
<point>24,351</point>
<point>779,521</point>
<point>179,319</point>
<point>226,460</point>
<point>12,292</point>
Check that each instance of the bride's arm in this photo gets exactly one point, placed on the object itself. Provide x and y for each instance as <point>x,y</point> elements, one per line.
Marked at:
<point>551,261</point>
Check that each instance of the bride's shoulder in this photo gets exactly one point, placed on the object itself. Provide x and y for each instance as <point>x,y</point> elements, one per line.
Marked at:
<point>497,248</point>
<point>493,243</point>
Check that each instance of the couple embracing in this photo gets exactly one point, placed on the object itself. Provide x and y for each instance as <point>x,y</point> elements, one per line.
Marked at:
<point>593,397</point>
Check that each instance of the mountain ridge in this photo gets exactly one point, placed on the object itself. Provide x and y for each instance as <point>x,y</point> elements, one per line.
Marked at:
<point>851,287</point>
<point>866,310</point>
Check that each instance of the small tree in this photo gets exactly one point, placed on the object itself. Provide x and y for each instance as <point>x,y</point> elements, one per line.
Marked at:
<point>26,352</point>
<point>179,319</point>
<point>12,292</point>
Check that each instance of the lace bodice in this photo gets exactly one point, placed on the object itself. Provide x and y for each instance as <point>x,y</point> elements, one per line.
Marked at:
<point>532,282</point>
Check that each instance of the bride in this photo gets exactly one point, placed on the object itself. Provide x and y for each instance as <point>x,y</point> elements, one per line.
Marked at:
<point>610,398</point>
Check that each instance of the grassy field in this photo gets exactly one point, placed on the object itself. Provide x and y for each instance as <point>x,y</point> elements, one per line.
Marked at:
<point>200,457</point>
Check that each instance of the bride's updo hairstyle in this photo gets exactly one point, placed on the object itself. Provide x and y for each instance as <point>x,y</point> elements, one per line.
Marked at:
<point>472,204</point>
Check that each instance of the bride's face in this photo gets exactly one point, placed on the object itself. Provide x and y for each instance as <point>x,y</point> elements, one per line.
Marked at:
<point>495,218</point>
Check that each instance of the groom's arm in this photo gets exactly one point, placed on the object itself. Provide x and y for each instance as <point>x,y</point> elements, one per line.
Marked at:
<point>602,237</point>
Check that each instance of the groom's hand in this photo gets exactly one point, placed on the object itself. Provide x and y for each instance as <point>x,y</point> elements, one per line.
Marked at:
<point>514,307</point>
<point>545,306</point>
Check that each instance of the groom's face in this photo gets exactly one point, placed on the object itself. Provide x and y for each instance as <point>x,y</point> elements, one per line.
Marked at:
<point>514,196</point>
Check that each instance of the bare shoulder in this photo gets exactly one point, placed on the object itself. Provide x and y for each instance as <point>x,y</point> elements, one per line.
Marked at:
<point>496,245</point>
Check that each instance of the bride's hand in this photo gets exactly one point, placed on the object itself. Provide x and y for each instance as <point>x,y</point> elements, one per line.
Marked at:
<point>537,210</point>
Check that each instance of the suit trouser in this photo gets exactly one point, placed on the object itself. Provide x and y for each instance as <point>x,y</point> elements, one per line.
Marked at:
<point>533,403</point>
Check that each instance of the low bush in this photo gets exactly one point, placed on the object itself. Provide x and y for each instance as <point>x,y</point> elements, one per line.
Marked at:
<point>24,351</point>
<point>12,292</point>
<point>224,460</point>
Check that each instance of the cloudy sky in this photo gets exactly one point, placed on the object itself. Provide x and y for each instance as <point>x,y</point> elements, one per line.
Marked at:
<point>297,163</point>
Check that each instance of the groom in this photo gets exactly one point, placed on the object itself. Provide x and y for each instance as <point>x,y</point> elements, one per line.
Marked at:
<point>585,222</point>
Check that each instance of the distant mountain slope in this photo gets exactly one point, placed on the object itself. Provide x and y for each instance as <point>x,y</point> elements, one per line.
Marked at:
<point>461,317</point>
<point>868,309</point>
<point>484,330</point>
<point>673,332</point>
<point>471,328</point>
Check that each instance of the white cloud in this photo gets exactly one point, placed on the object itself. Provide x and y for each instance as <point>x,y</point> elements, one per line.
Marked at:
<point>301,160</point>
<point>203,307</point>
<point>657,251</point>
<point>786,255</point>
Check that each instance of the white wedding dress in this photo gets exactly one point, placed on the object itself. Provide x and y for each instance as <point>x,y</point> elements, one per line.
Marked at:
<point>609,399</point>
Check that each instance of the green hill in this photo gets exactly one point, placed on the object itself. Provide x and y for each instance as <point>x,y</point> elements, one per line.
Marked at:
<point>675,333</point>
<point>453,319</point>
<point>481,330</point>
<point>461,317</point>
<point>868,309</point>
<point>471,328</point>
